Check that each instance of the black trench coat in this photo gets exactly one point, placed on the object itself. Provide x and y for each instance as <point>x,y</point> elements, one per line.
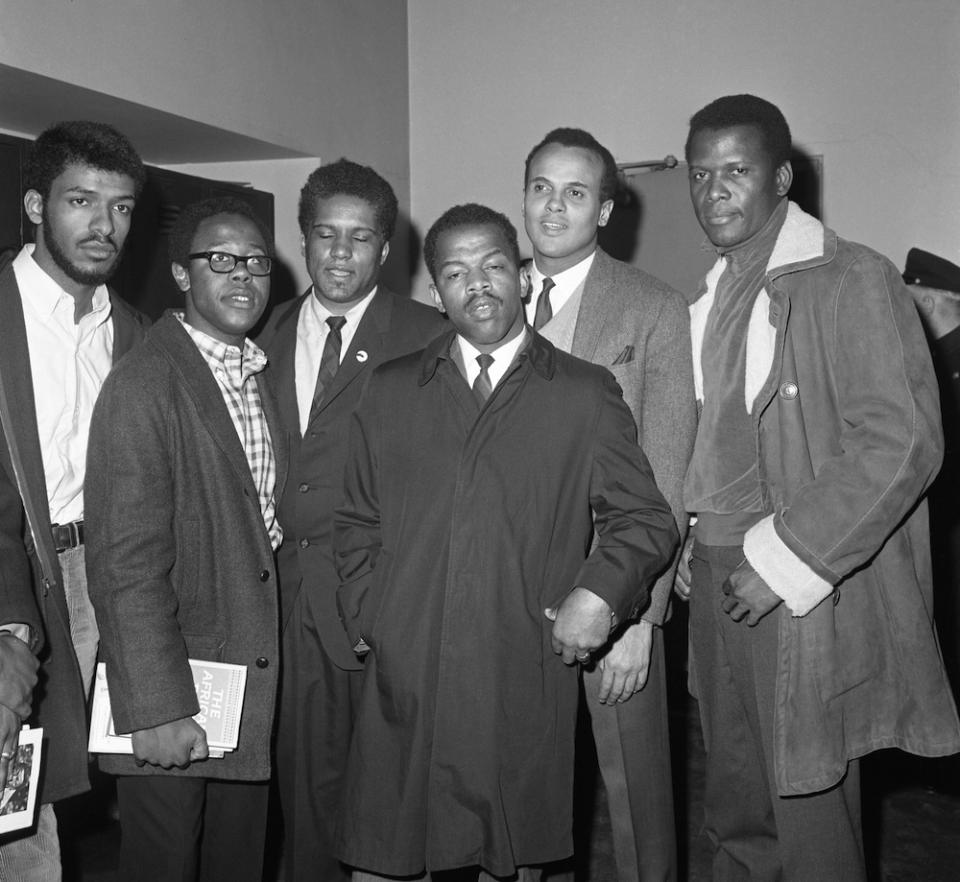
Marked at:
<point>459,527</point>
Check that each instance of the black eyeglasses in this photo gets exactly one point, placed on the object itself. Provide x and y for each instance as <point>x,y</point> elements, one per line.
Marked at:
<point>224,262</point>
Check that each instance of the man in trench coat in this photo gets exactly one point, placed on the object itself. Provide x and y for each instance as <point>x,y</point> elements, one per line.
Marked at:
<point>478,469</point>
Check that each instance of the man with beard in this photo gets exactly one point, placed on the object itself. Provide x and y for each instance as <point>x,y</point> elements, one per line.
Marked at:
<point>62,330</point>
<point>323,348</point>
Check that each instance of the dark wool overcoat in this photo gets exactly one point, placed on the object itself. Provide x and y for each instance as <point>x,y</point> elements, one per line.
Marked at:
<point>459,526</point>
<point>179,562</point>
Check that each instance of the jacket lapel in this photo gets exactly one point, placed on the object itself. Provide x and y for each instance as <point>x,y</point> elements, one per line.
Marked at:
<point>365,348</point>
<point>20,420</point>
<point>200,386</point>
<point>281,370</point>
<point>592,315</point>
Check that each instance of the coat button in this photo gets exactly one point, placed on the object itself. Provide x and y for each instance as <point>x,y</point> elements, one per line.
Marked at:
<point>789,390</point>
<point>303,488</point>
<point>262,662</point>
<point>264,575</point>
<point>304,543</point>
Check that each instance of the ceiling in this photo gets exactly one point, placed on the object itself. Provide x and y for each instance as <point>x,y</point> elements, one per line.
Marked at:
<point>29,103</point>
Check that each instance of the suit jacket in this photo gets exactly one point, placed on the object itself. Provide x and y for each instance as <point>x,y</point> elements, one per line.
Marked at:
<point>639,328</point>
<point>31,584</point>
<point>178,558</point>
<point>391,326</point>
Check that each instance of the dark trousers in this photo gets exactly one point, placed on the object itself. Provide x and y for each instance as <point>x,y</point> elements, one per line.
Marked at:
<point>191,829</point>
<point>757,834</point>
<point>318,705</point>
<point>632,740</point>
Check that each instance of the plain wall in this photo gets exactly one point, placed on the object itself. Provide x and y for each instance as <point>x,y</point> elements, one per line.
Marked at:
<point>873,85</point>
<point>325,78</point>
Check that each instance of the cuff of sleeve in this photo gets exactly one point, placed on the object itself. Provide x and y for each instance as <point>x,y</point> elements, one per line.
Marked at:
<point>789,577</point>
<point>19,630</point>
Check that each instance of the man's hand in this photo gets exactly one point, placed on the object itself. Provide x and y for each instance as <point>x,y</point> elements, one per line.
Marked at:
<point>683,581</point>
<point>177,743</point>
<point>18,675</point>
<point>626,664</point>
<point>580,625</point>
<point>9,738</point>
<point>748,595</point>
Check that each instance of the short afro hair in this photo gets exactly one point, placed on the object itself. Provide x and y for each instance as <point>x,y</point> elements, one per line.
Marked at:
<point>745,110</point>
<point>92,144</point>
<point>347,178</point>
<point>609,182</point>
<point>469,215</point>
<point>184,228</point>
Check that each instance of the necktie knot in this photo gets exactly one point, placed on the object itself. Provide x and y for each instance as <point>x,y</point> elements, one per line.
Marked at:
<point>484,359</point>
<point>329,360</point>
<point>544,311</point>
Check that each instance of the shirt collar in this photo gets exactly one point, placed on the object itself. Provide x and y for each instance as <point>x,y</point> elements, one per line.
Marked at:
<point>352,315</point>
<point>251,359</point>
<point>503,354</point>
<point>45,295</point>
<point>566,281</point>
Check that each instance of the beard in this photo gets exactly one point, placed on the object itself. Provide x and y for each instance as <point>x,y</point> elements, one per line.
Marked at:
<point>81,275</point>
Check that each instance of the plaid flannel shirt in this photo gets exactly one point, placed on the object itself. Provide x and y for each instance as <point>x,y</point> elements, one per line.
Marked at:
<point>235,372</point>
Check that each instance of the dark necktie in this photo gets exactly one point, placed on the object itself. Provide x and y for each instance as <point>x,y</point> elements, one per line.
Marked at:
<point>329,359</point>
<point>544,310</point>
<point>481,385</point>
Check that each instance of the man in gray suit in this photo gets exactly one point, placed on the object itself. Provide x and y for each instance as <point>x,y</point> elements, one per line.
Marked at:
<point>616,315</point>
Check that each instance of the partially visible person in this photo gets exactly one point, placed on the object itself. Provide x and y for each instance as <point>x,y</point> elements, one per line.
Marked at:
<point>61,333</point>
<point>187,456</point>
<point>631,323</point>
<point>934,284</point>
<point>478,470</point>
<point>811,636</point>
<point>323,348</point>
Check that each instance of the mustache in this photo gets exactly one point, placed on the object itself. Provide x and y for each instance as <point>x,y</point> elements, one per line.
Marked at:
<point>99,240</point>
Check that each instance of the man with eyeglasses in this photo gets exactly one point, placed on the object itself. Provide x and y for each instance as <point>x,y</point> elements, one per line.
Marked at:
<point>62,331</point>
<point>181,533</point>
<point>323,348</point>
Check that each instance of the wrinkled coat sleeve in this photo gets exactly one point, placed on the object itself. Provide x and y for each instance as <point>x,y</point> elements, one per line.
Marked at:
<point>636,532</point>
<point>356,532</point>
<point>890,444</point>
<point>131,554</point>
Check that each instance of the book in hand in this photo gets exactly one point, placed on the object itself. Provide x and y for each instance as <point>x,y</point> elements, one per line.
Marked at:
<point>219,688</point>
<point>19,798</point>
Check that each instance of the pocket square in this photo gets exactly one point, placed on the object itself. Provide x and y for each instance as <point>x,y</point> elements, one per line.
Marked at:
<point>625,356</point>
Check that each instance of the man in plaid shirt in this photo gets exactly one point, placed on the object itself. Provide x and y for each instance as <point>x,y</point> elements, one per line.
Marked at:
<point>189,458</point>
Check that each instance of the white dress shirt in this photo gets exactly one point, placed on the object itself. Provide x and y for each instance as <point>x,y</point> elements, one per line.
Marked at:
<point>312,331</point>
<point>68,364</point>
<point>503,357</point>
<point>564,286</point>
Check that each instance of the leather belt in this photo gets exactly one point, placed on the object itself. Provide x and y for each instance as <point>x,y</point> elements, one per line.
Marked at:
<point>67,535</point>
